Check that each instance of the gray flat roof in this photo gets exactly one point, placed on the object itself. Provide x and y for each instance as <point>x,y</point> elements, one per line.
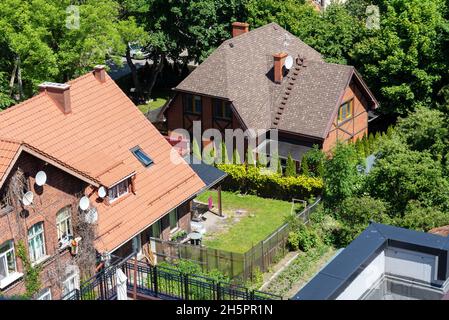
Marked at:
<point>342,270</point>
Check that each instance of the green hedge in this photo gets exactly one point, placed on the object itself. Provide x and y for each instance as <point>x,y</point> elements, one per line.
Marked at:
<point>264,183</point>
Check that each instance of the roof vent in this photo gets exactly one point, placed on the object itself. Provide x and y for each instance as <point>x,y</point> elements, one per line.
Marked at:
<point>59,93</point>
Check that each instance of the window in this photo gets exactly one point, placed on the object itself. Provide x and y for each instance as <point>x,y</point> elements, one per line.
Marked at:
<point>173,218</point>
<point>7,259</point>
<point>345,111</point>
<point>36,242</point>
<point>70,283</point>
<point>141,156</point>
<point>118,190</point>
<point>44,294</point>
<point>192,104</point>
<point>64,223</point>
<point>222,109</point>
<point>156,229</point>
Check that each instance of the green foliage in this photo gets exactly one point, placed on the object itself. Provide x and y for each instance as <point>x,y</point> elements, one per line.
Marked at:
<point>179,235</point>
<point>403,61</point>
<point>35,38</point>
<point>312,163</point>
<point>401,174</point>
<point>196,149</point>
<point>290,168</point>
<point>422,218</point>
<point>250,158</point>
<point>425,130</point>
<point>31,273</point>
<point>254,180</point>
<point>303,237</point>
<point>224,153</point>
<point>236,157</point>
<point>341,179</point>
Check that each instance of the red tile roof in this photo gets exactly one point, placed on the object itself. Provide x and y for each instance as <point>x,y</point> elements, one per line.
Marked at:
<point>95,140</point>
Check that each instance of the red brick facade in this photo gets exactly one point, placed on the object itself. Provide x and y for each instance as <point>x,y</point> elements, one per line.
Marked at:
<point>355,127</point>
<point>57,193</point>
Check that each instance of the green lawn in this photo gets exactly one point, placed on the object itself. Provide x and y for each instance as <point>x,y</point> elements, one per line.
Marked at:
<point>265,216</point>
<point>159,97</point>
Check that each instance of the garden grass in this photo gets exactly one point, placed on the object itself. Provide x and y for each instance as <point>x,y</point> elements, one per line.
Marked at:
<point>159,98</point>
<point>263,217</point>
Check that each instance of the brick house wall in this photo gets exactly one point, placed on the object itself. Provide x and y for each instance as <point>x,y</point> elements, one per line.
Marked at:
<point>58,192</point>
<point>177,119</point>
<point>355,127</point>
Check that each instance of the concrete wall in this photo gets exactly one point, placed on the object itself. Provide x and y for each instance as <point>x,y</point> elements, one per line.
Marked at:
<point>397,262</point>
<point>365,280</point>
<point>411,264</point>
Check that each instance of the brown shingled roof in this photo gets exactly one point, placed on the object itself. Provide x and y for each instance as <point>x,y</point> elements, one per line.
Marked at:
<point>240,70</point>
<point>95,139</point>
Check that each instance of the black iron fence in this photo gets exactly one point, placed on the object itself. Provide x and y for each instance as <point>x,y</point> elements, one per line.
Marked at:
<point>235,265</point>
<point>163,283</point>
<point>167,283</point>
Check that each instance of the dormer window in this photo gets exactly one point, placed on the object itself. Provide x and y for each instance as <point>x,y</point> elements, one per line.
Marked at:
<point>141,156</point>
<point>119,190</point>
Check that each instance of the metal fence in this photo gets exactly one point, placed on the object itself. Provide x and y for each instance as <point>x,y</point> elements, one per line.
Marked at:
<point>163,283</point>
<point>235,265</point>
<point>167,283</point>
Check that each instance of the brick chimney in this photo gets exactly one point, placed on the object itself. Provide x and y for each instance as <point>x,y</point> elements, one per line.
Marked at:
<point>279,59</point>
<point>59,93</point>
<point>239,28</point>
<point>100,73</point>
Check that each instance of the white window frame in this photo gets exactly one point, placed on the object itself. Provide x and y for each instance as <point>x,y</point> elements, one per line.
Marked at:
<point>33,257</point>
<point>70,283</point>
<point>64,224</point>
<point>4,256</point>
<point>116,188</point>
<point>45,294</point>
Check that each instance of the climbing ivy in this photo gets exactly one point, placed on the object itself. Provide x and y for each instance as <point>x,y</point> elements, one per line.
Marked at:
<point>32,273</point>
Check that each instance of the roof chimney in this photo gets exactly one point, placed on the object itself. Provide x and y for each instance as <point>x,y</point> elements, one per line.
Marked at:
<point>59,93</point>
<point>239,28</point>
<point>100,73</point>
<point>279,59</point>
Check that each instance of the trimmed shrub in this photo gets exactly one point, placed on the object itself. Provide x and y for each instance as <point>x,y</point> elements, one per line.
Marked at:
<point>268,184</point>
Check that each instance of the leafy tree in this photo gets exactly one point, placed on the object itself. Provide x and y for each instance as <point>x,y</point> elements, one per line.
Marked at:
<point>37,44</point>
<point>332,32</point>
<point>341,179</point>
<point>425,130</point>
<point>290,168</point>
<point>422,218</point>
<point>401,175</point>
<point>314,162</point>
<point>356,214</point>
<point>403,61</point>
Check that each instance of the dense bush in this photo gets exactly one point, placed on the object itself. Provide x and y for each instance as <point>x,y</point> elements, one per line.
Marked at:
<point>304,238</point>
<point>265,183</point>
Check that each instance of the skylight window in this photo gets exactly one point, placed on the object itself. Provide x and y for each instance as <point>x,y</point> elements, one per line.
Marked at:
<point>141,156</point>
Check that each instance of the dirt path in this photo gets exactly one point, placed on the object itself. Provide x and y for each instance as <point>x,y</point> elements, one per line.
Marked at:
<point>268,277</point>
<point>310,273</point>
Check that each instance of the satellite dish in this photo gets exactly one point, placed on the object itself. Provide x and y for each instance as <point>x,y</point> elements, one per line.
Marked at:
<point>41,178</point>
<point>288,62</point>
<point>102,192</point>
<point>84,203</point>
<point>28,198</point>
<point>91,216</point>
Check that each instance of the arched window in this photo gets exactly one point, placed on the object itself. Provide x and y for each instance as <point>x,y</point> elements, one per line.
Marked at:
<point>64,222</point>
<point>36,241</point>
